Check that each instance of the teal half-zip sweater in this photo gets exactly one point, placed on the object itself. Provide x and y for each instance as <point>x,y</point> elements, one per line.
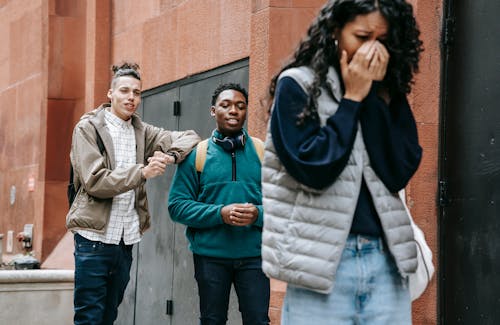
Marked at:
<point>196,199</point>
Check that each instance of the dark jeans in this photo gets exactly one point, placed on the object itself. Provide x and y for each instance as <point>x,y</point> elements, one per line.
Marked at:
<point>102,272</point>
<point>215,277</point>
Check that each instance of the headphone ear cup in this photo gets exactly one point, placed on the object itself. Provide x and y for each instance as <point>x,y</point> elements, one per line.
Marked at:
<point>241,139</point>
<point>231,144</point>
<point>227,143</point>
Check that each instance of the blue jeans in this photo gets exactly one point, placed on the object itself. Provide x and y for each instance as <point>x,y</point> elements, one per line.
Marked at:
<point>368,290</point>
<point>215,277</point>
<point>102,272</point>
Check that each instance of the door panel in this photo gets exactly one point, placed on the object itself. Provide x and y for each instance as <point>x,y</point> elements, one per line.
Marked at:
<point>163,264</point>
<point>195,105</point>
<point>198,95</point>
<point>155,271</point>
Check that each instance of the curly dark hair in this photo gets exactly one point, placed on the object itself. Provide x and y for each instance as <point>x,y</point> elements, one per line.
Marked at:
<point>318,51</point>
<point>229,86</point>
<point>130,69</point>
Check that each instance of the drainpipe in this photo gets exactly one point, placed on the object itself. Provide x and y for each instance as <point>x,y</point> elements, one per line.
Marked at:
<point>1,249</point>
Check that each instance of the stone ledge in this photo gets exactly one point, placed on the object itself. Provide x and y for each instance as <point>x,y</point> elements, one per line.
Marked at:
<point>36,276</point>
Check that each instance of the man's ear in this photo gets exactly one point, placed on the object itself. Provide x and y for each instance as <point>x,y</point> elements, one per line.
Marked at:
<point>110,91</point>
<point>212,111</point>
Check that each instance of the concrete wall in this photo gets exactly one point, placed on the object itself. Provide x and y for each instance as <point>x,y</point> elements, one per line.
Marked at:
<point>36,297</point>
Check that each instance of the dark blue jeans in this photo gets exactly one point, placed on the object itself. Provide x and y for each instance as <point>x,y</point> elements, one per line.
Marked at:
<point>215,277</point>
<point>102,272</point>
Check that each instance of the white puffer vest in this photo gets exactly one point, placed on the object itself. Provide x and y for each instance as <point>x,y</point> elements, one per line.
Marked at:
<point>305,230</point>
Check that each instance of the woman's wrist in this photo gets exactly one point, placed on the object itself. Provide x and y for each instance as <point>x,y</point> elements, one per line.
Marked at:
<point>353,97</point>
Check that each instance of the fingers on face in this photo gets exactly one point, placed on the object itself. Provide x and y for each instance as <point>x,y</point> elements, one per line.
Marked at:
<point>357,57</point>
<point>372,56</point>
<point>364,54</point>
<point>383,51</point>
<point>380,54</point>
<point>368,50</point>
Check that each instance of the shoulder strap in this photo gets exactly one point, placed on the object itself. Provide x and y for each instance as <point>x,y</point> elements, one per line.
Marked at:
<point>72,190</point>
<point>201,152</point>
<point>259,147</point>
<point>201,155</point>
<point>100,144</point>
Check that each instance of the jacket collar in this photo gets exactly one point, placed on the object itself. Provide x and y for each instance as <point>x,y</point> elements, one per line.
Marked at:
<point>96,117</point>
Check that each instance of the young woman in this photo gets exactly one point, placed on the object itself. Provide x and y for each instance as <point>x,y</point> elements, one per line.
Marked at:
<point>342,141</point>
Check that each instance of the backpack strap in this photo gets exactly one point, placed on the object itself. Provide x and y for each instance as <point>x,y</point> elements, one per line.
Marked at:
<point>100,144</point>
<point>201,155</point>
<point>201,152</point>
<point>71,191</point>
<point>259,147</point>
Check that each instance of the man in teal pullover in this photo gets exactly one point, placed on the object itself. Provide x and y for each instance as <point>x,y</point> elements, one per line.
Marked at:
<point>221,205</point>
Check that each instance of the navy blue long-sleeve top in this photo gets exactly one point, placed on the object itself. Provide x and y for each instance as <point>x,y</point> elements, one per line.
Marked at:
<point>315,155</point>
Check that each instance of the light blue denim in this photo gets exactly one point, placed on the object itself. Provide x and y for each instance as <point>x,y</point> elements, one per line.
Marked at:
<point>368,290</point>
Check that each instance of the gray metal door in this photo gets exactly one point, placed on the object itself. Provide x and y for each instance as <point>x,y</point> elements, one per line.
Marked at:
<point>162,288</point>
<point>470,165</point>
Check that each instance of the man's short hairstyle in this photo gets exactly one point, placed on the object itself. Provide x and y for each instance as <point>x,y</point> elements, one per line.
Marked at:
<point>126,69</point>
<point>229,86</point>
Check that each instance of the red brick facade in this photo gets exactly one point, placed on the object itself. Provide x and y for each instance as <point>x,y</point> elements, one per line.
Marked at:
<point>55,66</point>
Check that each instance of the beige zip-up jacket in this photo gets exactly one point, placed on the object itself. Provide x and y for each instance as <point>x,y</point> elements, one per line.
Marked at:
<point>99,180</point>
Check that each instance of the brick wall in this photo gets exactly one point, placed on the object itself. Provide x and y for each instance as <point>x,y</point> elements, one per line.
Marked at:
<point>56,66</point>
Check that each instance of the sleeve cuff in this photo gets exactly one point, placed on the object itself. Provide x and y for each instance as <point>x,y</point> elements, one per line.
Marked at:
<point>348,108</point>
<point>349,103</point>
<point>173,154</point>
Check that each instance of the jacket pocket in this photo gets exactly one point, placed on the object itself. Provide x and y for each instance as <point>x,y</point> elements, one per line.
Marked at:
<point>88,212</point>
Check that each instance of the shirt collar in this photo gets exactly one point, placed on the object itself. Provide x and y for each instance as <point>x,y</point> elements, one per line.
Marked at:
<point>218,135</point>
<point>116,121</point>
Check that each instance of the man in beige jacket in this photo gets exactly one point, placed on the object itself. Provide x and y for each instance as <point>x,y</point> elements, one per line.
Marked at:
<point>109,213</point>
